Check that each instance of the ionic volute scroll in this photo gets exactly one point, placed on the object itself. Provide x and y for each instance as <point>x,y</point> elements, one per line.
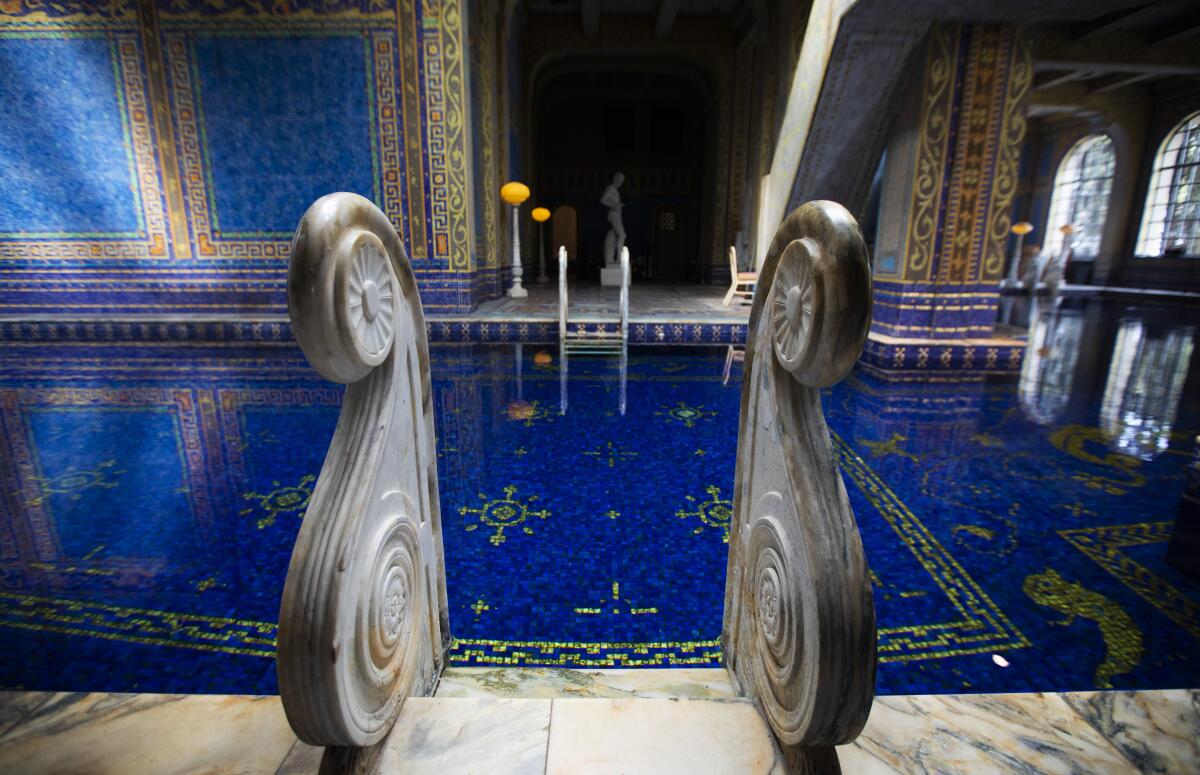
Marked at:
<point>799,628</point>
<point>363,620</point>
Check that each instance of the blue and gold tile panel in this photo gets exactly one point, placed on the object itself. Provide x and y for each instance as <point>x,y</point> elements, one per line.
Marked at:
<point>166,149</point>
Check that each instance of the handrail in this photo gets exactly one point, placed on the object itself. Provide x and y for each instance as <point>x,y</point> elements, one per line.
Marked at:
<point>364,621</point>
<point>799,630</point>
<point>562,294</point>
<point>624,295</point>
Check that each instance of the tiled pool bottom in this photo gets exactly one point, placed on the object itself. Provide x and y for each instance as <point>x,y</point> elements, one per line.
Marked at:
<point>153,495</point>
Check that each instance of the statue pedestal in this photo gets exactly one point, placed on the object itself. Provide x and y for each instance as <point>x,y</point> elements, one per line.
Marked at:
<point>611,275</point>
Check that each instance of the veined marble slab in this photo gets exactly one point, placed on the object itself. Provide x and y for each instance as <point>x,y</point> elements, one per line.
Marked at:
<point>126,734</point>
<point>992,733</point>
<point>1101,732</point>
<point>660,737</point>
<point>1159,732</point>
<point>490,735</point>
<point>690,683</point>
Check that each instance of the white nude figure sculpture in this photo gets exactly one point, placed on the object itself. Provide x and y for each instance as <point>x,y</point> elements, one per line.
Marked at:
<point>614,240</point>
<point>799,630</point>
<point>363,624</point>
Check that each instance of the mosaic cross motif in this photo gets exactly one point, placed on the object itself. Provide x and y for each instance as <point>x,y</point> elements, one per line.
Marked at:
<point>502,513</point>
<point>284,499</point>
<point>685,413</point>
<point>611,454</point>
<point>715,512</point>
<point>613,605</point>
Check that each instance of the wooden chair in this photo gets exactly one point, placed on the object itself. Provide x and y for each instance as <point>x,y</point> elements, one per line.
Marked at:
<point>740,283</point>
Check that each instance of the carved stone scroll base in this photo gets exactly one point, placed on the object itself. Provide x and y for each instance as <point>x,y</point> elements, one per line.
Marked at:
<point>363,623</point>
<point>799,630</point>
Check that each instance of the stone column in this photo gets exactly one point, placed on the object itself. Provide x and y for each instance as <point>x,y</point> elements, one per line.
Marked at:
<point>945,213</point>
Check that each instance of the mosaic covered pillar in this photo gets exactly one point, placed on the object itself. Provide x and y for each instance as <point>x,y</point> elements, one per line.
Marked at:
<point>949,178</point>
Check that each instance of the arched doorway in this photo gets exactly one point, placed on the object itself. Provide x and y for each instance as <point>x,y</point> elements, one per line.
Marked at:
<point>564,230</point>
<point>647,119</point>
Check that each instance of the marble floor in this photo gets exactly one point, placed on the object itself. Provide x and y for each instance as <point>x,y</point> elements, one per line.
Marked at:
<point>474,725</point>
<point>648,302</point>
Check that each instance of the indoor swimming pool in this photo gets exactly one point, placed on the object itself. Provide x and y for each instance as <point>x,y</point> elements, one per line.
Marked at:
<point>1015,529</point>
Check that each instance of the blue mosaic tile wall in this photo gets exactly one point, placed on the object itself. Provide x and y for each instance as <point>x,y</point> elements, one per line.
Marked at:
<point>153,492</point>
<point>156,155</point>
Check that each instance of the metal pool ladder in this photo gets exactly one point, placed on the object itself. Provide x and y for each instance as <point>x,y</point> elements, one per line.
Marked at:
<point>599,340</point>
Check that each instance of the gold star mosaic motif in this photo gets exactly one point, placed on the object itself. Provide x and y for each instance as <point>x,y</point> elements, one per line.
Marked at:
<point>685,413</point>
<point>716,512</point>
<point>283,500</point>
<point>76,480</point>
<point>504,513</point>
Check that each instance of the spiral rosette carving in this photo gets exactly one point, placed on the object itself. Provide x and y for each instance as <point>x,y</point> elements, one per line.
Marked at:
<point>343,287</point>
<point>388,604</point>
<point>779,610</point>
<point>367,287</point>
<point>363,618</point>
<point>799,616</point>
<point>795,299</point>
<point>819,303</point>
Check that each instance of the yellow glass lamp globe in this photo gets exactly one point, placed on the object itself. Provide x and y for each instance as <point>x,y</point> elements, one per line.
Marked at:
<point>514,193</point>
<point>540,214</point>
<point>1023,227</point>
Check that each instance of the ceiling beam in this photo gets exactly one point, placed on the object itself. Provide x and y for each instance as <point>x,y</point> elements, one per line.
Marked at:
<point>1176,30</point>
<point>1108,22</point>
<point>665,22</point>
<point>590,11</point>
<point>1117,81</point>
<point>1048,79</point>
<point>1054,50</point>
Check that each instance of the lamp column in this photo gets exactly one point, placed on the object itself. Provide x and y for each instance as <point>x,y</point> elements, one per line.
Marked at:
<point>515,193</point>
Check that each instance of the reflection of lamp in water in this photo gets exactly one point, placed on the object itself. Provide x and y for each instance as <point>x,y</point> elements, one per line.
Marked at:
<point>514,194</point>
<point>541,215</point>
<point>1048,368</point>
<point>520,410</point>
<point>1145,381</point>
<point>1020,229</point>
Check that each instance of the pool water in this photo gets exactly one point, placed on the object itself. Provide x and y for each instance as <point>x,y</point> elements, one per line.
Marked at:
<point>1015,529</point>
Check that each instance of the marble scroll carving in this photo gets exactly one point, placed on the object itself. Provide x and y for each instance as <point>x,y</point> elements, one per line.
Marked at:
<point>799,627</point>
<point>363,622</point>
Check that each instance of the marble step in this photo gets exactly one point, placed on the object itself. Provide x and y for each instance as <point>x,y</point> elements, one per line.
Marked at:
<point>549,683</point>
<point>505,736</point>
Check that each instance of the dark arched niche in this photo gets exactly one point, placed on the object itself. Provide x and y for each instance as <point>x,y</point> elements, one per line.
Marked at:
<point>651,121</point>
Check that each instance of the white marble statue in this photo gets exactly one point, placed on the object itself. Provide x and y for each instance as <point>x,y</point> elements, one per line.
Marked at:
<point>615,239</point>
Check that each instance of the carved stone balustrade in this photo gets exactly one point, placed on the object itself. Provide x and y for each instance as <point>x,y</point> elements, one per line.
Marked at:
<point>799,630</point>
<point>363,623</point>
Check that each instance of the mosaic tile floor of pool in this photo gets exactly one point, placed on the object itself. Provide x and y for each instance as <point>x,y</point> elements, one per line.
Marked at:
<point>152,495</point>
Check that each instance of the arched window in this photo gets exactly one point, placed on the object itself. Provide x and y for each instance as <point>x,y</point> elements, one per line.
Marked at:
<point>1080,196</point>
<point>1172,218</point>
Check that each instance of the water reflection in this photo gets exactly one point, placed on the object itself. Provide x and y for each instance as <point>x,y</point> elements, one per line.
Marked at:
<point>1048,369</point>
<point>1145,381</point>
<point>564,374</point>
